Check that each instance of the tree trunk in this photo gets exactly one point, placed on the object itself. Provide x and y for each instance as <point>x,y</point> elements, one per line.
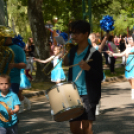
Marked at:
<point>39,34</point>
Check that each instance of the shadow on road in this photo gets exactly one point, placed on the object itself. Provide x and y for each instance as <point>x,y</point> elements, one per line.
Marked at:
<point>115,91</point>
<point>115,121</point>
<point>39,120</point>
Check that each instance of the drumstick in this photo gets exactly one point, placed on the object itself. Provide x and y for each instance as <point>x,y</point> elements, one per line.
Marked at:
<point>78,63</point>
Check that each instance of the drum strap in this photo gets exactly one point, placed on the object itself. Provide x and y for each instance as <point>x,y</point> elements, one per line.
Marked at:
<point>92,50</point>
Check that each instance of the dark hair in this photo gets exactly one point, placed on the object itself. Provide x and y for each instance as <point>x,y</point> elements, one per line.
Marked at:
<point>123,36</point>
<point>80,26</point>
<point>29,40</point>
<point>6,77</point>
<point>110,38</point>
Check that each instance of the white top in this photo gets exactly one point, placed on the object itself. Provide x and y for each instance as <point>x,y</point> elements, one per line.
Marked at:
<point>29,64</point>
<point>55,60</point>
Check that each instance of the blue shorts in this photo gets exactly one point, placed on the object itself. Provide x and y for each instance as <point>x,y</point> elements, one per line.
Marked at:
<point>15,87</point>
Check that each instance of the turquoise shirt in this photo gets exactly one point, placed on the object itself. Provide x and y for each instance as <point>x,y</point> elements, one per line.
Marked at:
<point>11,99</point>
<point>81,82</point>
<point>19,57</point>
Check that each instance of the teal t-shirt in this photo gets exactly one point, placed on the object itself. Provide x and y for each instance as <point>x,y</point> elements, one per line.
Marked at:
<point>81,82</point>
<point>19,57</point>
<point>11,99</point>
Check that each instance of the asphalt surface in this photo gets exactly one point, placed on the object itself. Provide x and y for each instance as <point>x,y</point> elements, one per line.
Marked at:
<point>117,114</point>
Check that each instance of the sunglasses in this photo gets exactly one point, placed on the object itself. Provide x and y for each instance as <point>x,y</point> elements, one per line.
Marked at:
<point>71,32</point>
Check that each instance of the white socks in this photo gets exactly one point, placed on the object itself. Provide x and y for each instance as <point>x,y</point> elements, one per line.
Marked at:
<point>21,107</point>
<point>23,103</point>
<point>132,94</point>
<point>27,102</point>
<point>97,112</point>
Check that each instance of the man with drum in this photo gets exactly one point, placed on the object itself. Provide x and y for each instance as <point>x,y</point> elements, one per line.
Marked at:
<point>88,82</point>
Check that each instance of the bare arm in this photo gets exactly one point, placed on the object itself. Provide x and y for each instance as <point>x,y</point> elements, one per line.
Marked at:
<point>16,110</point>
<point>43,61</point>
<point>17,65</point>
<point>26,47</point>
<point>117,54</point>
<point>120,54</point>
<point>103,43</point>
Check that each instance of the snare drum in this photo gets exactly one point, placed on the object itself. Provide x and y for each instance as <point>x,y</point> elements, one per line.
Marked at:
<point>65,101</point>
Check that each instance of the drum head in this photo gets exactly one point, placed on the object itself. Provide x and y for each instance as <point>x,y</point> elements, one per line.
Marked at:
<point>58,85</point>
<point>69,114</point>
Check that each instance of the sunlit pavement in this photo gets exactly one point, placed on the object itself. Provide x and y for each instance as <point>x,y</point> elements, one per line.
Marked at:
<point>117,114</point>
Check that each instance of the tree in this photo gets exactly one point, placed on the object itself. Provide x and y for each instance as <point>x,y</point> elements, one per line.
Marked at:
<point>36,21</point>
<point>35,16</point>
<point>42,11</point>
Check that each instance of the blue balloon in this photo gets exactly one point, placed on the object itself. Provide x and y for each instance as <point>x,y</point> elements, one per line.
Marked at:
<point>107,23</point>
<point>64,35</point>
<point>18,40</point>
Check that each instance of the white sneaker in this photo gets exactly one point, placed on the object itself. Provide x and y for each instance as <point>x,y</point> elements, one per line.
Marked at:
<point>28,103</point>
<point>97,112</point>
<point>21,110</point>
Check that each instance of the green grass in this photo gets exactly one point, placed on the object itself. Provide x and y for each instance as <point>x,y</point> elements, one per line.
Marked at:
<point>38,87</point>
<point>119,71</point>
<point>46,85</point>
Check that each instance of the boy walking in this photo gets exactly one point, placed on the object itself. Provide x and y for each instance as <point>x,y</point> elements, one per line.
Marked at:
<point>12,101</point>
<point>89,82</point>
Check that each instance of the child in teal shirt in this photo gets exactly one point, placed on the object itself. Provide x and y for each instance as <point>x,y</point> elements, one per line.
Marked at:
<point>12,101</point>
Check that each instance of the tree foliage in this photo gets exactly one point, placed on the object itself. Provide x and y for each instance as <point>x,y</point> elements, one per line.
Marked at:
<point>25,23</point>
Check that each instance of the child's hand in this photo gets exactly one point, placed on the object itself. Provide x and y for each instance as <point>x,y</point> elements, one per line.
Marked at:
<point>84,66</point>
<point>34,59</point>
<point>11,65</point>
<point>11,112</point>
<point>109,53</point>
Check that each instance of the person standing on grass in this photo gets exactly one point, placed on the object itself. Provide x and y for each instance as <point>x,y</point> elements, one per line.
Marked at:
<point>30,48</point>
<point>112,47</point>
<point>30,53</point>
<point>29,67</point>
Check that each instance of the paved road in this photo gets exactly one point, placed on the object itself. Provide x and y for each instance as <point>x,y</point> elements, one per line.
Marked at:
<point>117,114</point>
